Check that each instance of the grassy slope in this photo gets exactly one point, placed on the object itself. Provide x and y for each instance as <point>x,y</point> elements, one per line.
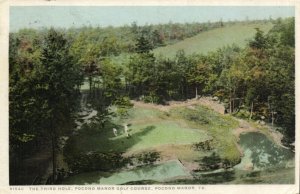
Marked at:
<point>214,39</point>
<point>149,130</point>
<point>216,125</point>
<point>151,172</point>
<point>152,128</point>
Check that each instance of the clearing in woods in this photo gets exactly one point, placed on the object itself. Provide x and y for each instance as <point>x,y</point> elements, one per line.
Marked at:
<point>173,131</point>
<point>213,39</point>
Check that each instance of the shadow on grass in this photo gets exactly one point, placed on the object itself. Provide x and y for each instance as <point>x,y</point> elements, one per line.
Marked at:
<point>91,138</point>
<point>99,150</point>
<point>216,178</point>
<point>212,178</point>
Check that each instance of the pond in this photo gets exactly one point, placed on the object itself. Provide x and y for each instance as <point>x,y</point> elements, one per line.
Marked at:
<point>263,162</point>
<point>261,153</point>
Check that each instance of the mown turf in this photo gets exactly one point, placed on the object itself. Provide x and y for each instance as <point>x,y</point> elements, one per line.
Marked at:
<point>211,40</point>
<point>216,125</point>
<point>162,133</point>
<point>159,172</point>
<point>151,128</point>
<point>138,114</point>
<point>142,136</point>
<point>172,135</point>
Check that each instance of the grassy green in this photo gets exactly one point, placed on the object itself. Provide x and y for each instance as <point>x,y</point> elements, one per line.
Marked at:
<point>148,134</point>
<point>216,125</point>
<point>138,114</point>
<point>213,39</point>
<point>151,128</point>
<point>165,132</point>
<point>270,176</point>
<point>151,172</point>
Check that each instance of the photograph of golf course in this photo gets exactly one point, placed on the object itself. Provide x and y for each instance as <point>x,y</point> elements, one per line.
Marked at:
<point>164,95</point>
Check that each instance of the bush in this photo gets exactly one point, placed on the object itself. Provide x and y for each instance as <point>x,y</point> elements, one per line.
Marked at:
<point>146,158</point>
<point>205,145</point>
<point>93,161</point>
<point>243,114</point>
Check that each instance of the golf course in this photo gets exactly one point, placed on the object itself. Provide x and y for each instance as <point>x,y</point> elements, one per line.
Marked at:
<point>203,100</point>
<point>186,142</point>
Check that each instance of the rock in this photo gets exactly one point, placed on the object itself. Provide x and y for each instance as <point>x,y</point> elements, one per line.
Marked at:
<point>249,166</point>
<point>215,98</point>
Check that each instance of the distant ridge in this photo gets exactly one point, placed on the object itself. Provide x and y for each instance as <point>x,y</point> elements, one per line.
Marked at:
<point>213,39</point>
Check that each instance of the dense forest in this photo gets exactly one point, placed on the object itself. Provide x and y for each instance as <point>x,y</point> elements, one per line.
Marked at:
<point>47,69</point>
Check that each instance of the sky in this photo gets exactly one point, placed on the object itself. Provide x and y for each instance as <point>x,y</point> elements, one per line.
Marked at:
<point>77,16</point>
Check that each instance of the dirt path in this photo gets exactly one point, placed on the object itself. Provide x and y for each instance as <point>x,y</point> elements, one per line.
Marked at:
<point>205,101</point>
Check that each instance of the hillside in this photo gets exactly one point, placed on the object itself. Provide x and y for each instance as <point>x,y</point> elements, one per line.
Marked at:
<point>185,140</point>
<point>214,39</point>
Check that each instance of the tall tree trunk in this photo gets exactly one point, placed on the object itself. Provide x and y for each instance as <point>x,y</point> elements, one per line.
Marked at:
<point>251,111</point>
<point>90,83</point>
<point>273,118</point>
<point>272,113</point>
<point>230,103</point>
<point>233,102</point>
<point>196,92</point>
<point>53,141</point>
<point>182,93</point>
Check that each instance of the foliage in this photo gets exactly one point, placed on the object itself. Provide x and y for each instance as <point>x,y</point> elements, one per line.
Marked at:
<point>211,40</point>
<point>95,161</point>
<point>146,158</point>
<point>43,94</point>
<point>254,79</point>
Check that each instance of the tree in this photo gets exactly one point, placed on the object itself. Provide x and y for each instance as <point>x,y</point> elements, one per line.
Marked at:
<point>259,41</point>
<point>58,80</point>
<point>157,39</point>
<point>198,77</point>
<point>24,107</point>
<point>143,45</point>
<point>43,95</point>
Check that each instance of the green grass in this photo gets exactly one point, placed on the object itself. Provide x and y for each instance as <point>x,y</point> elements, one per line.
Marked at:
<point>85,85</point>
<point>137,114</point>
<point>151,128</point>
<point>270,176</point>
<point>143,136</point>
<point>216,125</point>
<point>163,133</point>
<point>211,40</point>
<point>171,134</point>
<point>159,172</point>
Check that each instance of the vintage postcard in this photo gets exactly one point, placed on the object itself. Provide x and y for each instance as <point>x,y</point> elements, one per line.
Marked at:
<point>156,97</point>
